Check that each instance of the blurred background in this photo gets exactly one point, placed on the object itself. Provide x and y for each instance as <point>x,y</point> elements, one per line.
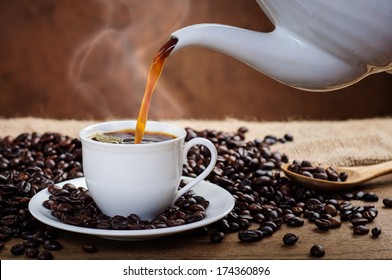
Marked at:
<point>89,60</point>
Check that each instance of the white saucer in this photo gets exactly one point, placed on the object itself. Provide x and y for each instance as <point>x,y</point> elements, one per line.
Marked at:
<point>221,203</point>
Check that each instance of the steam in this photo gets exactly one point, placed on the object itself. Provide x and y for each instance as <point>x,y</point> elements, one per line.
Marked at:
<point>109,71</point>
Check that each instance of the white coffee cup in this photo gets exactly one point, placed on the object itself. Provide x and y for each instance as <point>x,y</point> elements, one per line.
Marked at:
<point>139,179</point>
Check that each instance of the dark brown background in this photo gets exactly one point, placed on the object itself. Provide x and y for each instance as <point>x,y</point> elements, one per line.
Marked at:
<point>89,60</point>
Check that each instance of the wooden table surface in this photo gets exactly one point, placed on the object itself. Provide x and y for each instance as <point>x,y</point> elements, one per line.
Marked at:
<point>339,243</point>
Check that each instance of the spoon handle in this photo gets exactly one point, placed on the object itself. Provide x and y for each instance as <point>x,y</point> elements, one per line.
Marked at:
<point>376,170</point>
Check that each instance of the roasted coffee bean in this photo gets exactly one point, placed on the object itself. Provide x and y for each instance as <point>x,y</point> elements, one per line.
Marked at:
<point>361,230</point>
<point>8,220</point>
<point>323,224</point>
<point>376,231</point>
<point>317,251</point>
<point>387,202</point>
<point>250,235</point>
<point>295,222</point>
<point>343,176</point>
<point>347,196</point>
<point>290,239</point>
<point>321,175</point>
<point>315,205</point>
<point>359,195</point>
<point>4,237</point>
<point>89,248</point>
<point>45,255</point>
<point>196,207</point>
<point>52,245</point>
<point>335,223</point>
<point>331,209</point>
<point>266,230</point>
<point>288,137</point>
<point>1,246</point>
<point>370,215</point>
<point>306,174</point>
<point>333,175</point>
<point>370,197</point>
<point>65,208</point>
<point>217,237</point>
<point>30,243</point>
<point>359,221</point>
<point>274,225</point>
<point>32,252</point>
<point>18,249</point>
<point>175,222</point>
<point>311,215</point>
<point>195,217</point>
<point>243,223</point>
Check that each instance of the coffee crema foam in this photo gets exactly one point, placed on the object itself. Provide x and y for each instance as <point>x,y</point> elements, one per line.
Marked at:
<point>127,136</point>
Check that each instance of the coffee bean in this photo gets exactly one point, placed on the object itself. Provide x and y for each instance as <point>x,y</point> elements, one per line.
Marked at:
<point>369,215</point>
<point>331,209</point>
<point>332,174</point>
<point>361,230</point>
<point>306,174</point>
<point>52,245</point>
<point>359,221</point>
<point>295,222</point>
<point>89,248</point>
<point>288,137</point>
<point>195,217</point>
<point>347,196</point>
<point>250,235</point>
<point>322,224</point>
<point>18,249</point>
<point>290,239</point>
<point>45,255</point>
<point>1,246</point>
<point>387,202</point>
<point>376,231</point>
<point>4,237</point>
<point>359,195</point>
<point>315,205</point>
<point>30,243</point>
<point>335,223</point>
<point>317,251</point>
<point>266,230</point>
<point>370,197</point>
<point>217,237</point>
<point>32,253</point>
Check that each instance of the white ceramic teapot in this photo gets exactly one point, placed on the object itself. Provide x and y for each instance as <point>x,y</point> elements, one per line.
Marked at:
<point>316,45</point>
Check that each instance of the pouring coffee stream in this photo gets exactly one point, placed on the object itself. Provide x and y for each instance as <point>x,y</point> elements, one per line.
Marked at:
<point>153,76</point>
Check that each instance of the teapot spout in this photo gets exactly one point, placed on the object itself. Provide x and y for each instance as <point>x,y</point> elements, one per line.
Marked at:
<point>277,54</point>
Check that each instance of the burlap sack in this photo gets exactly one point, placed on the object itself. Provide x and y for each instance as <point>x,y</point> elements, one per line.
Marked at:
<point>338,143</point>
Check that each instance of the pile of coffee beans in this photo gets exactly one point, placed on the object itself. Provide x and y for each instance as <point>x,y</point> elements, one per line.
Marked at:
<point>265,200</point>
<point>74,206</point>
<point>29,163</point>
<point>250,170</point>
<point>306,168</point>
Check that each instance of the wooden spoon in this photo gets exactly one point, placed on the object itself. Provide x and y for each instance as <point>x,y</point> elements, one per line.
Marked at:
<point>356,176</point>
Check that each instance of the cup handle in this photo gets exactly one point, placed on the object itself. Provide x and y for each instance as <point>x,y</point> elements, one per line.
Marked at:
<point>210,146</point>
